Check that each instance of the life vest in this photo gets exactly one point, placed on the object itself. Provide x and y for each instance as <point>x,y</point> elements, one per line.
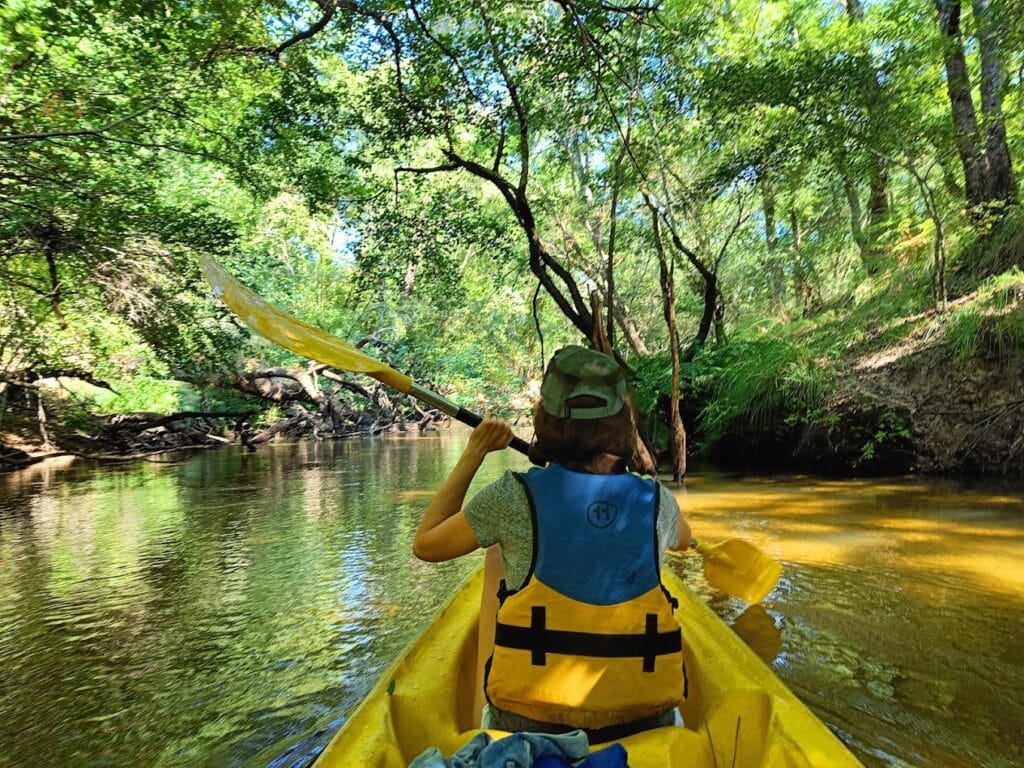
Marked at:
<point>590,639</point>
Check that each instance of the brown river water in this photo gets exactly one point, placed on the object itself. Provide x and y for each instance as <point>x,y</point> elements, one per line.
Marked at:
<point>232,609</point>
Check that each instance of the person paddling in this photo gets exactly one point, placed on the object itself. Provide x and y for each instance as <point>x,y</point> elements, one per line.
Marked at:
<point>584,634</point>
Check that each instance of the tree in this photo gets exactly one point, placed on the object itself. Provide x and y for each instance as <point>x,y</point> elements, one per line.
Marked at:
<point>984,155</point>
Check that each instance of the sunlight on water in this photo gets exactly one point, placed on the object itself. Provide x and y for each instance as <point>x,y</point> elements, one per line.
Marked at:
<point>233,609</point>
<point>900,607</point>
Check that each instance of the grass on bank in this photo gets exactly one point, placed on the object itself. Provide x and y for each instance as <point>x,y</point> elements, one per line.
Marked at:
<point>990,324</point>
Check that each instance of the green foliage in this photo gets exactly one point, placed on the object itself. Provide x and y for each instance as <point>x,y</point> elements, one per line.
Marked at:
<point>991,324</point>
<point>890,430</point>
<point>134,136</point>
<point>129,142</point>
<point>146,394</point>
<point>997,247</point>
<point>653,381</point>
<point>762,381</point>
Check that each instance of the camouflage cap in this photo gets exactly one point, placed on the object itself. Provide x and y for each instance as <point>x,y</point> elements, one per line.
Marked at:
<point>575,371</point>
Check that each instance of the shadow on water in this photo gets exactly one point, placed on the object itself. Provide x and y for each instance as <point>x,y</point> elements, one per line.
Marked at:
<point>900,607</point>
<point>233,609</point>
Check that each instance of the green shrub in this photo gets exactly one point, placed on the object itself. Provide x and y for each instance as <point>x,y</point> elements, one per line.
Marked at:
<point>169,396</point>
<point>890,430</point>
<point>962,329</point>
<point>142,394</point>
<point>762,381</point>
<point>653,380</point>
<point>996,249</point>
<point>991,325</point>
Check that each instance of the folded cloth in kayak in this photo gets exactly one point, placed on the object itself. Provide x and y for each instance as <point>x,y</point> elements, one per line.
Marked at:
<point>614,756</point>
<point>517,750</point>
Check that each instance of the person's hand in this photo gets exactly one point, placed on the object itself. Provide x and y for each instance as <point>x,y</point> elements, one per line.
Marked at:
<point>490,435</point>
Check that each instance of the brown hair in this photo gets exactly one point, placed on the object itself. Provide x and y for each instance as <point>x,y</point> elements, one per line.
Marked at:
<point>601,446</point>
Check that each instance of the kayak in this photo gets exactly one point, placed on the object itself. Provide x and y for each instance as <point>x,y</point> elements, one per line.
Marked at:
<point>737,712</point>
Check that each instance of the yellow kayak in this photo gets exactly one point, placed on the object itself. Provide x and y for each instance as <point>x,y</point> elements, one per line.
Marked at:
<point>737,714</point>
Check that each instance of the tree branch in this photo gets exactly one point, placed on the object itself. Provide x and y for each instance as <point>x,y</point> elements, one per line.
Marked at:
<point>445,50</point>
<point>384,22</point>
<point>517,105</point>
<point>327,7</point>
<point>94,132</point>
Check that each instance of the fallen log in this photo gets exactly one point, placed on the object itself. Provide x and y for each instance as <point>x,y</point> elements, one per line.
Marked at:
<point>7,464</point>
<point>134,425</point>
<point>277,428</point>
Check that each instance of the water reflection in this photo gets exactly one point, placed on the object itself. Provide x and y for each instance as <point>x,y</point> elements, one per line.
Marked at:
<point>213,612</point>
<point>931,527</point>
<point>232,610</point>
<point>759,630</point>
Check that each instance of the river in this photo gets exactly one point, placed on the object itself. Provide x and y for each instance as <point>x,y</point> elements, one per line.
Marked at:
<point>233,608</point>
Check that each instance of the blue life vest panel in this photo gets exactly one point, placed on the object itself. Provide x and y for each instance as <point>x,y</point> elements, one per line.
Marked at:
<point>609,519</point>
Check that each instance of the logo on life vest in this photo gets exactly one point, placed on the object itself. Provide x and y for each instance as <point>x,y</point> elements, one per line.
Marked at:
<point>601,514</point>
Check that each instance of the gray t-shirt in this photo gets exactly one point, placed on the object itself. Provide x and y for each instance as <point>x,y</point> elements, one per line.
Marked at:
<point>500,514</point>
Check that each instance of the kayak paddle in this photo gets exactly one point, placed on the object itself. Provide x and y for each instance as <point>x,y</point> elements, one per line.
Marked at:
<point>738,568</point>
<point>735,567</point>
<point>312,343</point>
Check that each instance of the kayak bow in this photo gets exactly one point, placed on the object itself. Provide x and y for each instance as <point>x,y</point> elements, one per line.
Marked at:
<point>737,712</point>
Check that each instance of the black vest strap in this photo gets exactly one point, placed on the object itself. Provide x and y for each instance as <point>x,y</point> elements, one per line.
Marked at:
<point>504,592</point>
<point>540,641</point>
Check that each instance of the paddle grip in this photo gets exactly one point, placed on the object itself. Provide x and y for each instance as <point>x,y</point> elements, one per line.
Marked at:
<point>473,419</point>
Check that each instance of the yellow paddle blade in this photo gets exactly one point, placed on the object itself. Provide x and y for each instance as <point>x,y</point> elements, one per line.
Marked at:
<point>293,334</point>
<point>738,568</point>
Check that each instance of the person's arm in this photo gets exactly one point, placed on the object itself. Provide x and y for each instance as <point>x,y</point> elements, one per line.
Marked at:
<point>682,527</point>
<point>444,532</point>
<point>685,535</point>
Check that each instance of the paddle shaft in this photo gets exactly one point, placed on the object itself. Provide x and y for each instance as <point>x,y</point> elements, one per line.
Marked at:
<point>461,414</point>
<point>316,344</point>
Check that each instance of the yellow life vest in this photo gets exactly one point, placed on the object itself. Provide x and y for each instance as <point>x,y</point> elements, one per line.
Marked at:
<point>590,640</point>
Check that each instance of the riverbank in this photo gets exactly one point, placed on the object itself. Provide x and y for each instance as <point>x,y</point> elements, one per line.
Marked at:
<point>147,436</point>
<point>50,419</point>
<point>872,384</point>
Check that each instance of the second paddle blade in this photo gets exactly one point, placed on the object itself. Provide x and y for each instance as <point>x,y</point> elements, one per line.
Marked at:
<point>738,568</point>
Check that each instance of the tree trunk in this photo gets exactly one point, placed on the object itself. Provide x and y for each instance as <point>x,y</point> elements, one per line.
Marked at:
<point>44,435</point>
<point>939,247</point>
<point>644,461</point>
<point>939,279</point>
<point>801,287</point>
<point>721,336</point>
<point>1001,186</point>
<point>878,198</point>
<point>630,332</point>
<point>616,314</point>
<point>771,238</point>
<point>613,219</point>
<point>856,216</point>
<point>707,317</point>
<point>958,87</point>
<point>409,281</point>
<point>878,178</point>
<point>676,430</point>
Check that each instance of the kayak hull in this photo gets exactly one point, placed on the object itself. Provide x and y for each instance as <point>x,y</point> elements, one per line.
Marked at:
<point>737,712</point>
